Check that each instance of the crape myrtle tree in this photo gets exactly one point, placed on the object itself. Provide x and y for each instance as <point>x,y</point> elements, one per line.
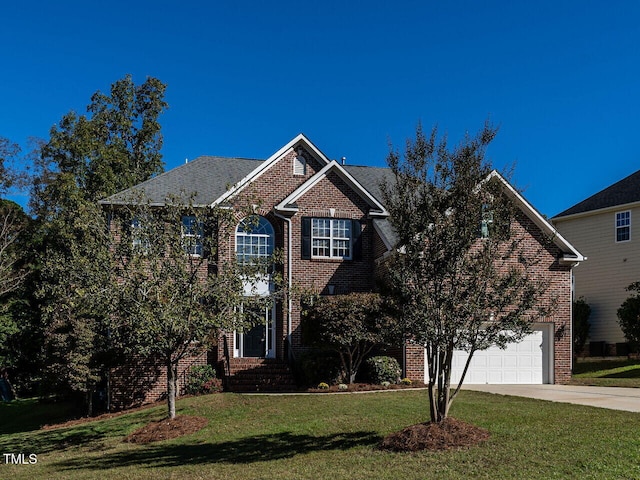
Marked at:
<point>174,293</point>
<point>460,279</point>
<point>87,157</point>
<point>350,325</point>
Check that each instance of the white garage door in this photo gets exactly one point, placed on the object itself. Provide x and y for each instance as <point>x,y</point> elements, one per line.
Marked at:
<point>527,362</point>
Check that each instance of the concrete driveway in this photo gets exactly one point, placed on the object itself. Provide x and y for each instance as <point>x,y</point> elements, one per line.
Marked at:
<point>614,398</point>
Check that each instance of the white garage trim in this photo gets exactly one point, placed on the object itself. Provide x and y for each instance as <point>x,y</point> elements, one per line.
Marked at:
<point>529,361</point>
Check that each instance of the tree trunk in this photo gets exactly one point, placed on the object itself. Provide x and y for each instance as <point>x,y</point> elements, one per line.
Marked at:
<point>176,381</point>
<point>171,389</point>
<point>433,375</point>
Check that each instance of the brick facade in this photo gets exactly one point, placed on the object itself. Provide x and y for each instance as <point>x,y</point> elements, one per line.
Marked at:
<point>144,380</point>
<point>333,197</point>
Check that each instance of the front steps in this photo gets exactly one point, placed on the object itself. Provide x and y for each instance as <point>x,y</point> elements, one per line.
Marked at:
<point>259,375</point>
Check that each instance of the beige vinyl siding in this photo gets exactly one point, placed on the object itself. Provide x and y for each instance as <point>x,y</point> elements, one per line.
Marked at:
<point>610,267</point>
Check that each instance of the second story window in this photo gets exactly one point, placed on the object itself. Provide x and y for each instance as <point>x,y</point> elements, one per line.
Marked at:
<point>331,238</point>
<point>623,226</point>
<point>254,239</point>
<point>138,241</point>
<point>192,235</point>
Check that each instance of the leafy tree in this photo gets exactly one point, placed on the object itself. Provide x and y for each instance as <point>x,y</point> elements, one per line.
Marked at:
<point>13,222</point>
<point>460,278</point>
<point>351,325</point>
<point>580,327</point>
<point>173,295</point>
<point>87,158</point>
<point>13,254</point>
<point>629,316</point>
<point>115,147</point>
<point>9,174</point>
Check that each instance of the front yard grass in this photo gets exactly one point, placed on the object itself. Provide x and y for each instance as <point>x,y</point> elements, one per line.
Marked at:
<point>607,373</point>
<point>336,436</point>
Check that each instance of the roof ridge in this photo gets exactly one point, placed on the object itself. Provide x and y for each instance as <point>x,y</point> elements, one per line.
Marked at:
<point>617,193</point>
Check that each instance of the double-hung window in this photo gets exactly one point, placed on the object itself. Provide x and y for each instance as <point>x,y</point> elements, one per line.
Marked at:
<point>192,235</point>
<point>139,243</point>
<point>331,238</point>
<point>623,226</point>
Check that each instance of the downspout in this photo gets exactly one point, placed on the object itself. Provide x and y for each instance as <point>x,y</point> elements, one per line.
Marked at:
<point>289,279</point>
<point>573,293</point>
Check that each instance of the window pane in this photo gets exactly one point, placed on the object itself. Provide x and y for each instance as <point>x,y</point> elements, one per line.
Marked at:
<point>341,228</point>
<point>320,248</point>
<point>321,228</point>
<point>341,248</point>
<point>623,234</point>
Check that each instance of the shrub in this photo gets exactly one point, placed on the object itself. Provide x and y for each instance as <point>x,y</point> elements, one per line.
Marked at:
<point>323,386</point>
<point>317,365</point>
<point>629,316</point>
<point>406,381</point>
<point>581,312</point>
<point>202,380</point>
<point>343,387</point>
<point>351,324</point>
<point>383,369</point>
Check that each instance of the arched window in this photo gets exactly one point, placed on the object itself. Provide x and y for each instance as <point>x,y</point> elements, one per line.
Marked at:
<point>254,239</point>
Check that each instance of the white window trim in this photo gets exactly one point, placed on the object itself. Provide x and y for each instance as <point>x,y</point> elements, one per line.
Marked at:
<point>270,335</point>
<point>617,227</point>
<point>332,237</point>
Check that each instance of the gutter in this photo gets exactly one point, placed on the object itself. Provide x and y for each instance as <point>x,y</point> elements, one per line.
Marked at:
<point>571,260</point>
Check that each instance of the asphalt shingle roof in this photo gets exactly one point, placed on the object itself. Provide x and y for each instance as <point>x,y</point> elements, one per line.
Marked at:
<point>371,178</point>
<point>625,191</point>
<point>210,177</point>
<point>207,177</point>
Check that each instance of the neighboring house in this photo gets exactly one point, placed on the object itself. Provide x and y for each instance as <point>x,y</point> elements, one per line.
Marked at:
<point>330,221</point>
<point>602,227</point>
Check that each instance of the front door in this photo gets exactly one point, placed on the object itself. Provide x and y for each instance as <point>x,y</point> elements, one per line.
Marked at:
<point>258,341</point>
<point>254,342</point>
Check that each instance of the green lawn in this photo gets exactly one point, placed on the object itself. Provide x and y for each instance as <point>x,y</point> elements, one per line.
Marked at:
<point>332,437</point>
<point>607,373</point>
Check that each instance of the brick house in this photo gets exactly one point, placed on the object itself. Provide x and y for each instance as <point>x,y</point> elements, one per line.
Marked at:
<point>331,224</point>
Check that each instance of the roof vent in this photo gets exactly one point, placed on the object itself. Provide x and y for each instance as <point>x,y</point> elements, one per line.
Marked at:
<point>344,160</point>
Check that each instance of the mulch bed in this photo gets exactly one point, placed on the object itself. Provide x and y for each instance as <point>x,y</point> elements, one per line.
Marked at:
<point>167,429</point>
<point>448,434</point>
<point>366,387</point>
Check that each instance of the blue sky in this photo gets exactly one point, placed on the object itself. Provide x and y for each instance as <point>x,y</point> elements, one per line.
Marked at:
<point>560,78</point>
